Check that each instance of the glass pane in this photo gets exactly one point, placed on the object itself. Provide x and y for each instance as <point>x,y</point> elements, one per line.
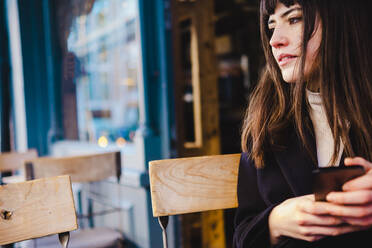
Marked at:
<point>101,62</point>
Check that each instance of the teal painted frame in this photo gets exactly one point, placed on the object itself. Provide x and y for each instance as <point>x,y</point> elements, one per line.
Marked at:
<point>39,50</point>
<point>159,121</point>
<point>156,47</point>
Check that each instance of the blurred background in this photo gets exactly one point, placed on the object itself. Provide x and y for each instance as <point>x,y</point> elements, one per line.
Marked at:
<point>154,79</point>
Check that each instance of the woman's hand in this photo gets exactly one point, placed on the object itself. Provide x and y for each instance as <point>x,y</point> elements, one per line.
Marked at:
<point>355,202</point>
<point>303,218</point>
<point>344,212</point>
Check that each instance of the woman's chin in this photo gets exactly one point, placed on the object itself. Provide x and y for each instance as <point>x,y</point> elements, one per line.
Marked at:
<point>289,80</point>
<point>288,75</point>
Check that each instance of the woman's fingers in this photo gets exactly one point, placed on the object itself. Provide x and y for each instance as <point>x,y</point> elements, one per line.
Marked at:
<point>358,161</point>
<point>360,197</point>
<point>349,211</point>
<point>338,210</point>
<point>303,218</point>
<point>362,182</point>
<point>307,232</point>
<point>364,221</point>
<point>306,219</point>
<point>315,208</point>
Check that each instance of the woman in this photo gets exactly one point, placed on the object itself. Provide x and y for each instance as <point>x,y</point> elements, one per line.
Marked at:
<point>312,107</point>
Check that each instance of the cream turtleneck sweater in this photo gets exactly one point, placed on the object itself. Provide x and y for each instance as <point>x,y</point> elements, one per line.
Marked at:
<point>323,134</point>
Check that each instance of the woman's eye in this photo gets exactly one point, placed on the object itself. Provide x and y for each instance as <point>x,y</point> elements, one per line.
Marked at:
<point>294,20</point>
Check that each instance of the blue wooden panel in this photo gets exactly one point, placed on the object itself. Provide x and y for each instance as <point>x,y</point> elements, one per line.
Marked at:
<point>40,70</point>
<point>158,91</point>
<point>157,76</point>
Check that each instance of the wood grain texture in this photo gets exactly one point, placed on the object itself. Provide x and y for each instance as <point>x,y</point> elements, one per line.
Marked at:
<point>11,161</point>
<point>39,208</point>
<point>188,185</point>
<point>87,168</point>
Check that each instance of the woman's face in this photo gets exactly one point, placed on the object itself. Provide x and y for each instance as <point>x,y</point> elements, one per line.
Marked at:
<point>286,26</point>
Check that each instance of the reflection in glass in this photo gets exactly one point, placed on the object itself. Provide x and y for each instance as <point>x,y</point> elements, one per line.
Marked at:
<point>101,66</point>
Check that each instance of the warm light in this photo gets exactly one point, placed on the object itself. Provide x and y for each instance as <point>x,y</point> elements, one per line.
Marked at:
<point>120,141</point>
<point>102,141</point>
<point>129,82</point>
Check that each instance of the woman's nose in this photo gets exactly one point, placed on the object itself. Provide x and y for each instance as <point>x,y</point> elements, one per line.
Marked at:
<point>279,38</point>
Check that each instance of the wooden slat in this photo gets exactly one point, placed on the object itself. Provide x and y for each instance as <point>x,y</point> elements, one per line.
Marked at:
<point>40,207</point>
<point>187,185</point>
<point>87,168</point>
<point>11,161</point>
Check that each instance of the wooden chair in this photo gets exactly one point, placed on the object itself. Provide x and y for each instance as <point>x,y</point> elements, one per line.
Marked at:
<point>13,161</point>
<point>82,169</point>
<point>37,208</point>
<point>188,185</point>
<point>87,168</point>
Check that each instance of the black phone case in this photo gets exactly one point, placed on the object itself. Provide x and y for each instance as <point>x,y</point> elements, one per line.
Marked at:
<point>328,179</point>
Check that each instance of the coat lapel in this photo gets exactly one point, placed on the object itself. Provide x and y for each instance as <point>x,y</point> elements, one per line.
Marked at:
<point>296,164</point>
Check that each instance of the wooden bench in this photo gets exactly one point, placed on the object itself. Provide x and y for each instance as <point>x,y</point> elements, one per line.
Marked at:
<point>37,208</point>
<point>188,185</point>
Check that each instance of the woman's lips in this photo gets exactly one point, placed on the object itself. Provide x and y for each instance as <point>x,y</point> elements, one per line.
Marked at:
<point>285,59</point>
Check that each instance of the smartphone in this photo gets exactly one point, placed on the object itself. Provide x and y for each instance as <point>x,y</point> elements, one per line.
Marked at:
<point>328,179</point>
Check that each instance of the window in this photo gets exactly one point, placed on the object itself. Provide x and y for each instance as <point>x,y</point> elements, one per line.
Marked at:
<point>101,65</point>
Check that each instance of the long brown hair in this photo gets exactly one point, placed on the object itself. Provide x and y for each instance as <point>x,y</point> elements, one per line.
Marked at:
<point>344,66</point>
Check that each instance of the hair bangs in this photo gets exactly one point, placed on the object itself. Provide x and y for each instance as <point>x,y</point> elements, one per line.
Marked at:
<point>268,6</point>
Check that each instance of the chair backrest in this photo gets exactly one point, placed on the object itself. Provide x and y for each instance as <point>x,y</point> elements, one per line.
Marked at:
<point>36,208</point>
<point>187,185</point>
<point>87,168</point>
<point>11,161</point>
